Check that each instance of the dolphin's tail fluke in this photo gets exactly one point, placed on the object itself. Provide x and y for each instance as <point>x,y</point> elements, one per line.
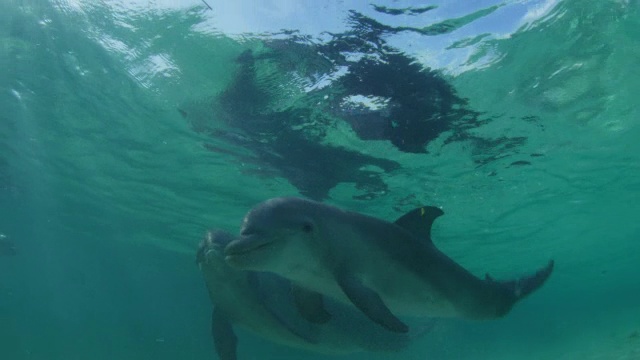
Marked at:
<point>520,288</point>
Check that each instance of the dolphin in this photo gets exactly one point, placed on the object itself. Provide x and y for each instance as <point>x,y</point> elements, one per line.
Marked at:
<point>263,304</point>
<point>385,269</point>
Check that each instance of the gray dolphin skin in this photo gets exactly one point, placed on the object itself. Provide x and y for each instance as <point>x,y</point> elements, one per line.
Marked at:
<point>385,269</point>
<point>263,304</point>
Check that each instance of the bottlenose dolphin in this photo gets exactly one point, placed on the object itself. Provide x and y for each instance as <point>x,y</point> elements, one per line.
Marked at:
<point>382,268</point>
<point>262,303</point>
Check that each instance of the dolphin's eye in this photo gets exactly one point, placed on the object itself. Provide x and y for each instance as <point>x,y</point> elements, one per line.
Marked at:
<point>307,227</point>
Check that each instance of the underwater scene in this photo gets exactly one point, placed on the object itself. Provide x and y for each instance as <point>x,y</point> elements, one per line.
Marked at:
<point>336,179</point>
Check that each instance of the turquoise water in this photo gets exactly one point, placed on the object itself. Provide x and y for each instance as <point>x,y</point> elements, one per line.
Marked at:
<point>129,128</point>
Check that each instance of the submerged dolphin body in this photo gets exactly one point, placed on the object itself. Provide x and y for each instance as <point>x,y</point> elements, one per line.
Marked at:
<point>384,269</point>
<point>262,303</point>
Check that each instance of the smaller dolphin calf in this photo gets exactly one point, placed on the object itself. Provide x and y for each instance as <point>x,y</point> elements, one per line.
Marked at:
<point>384,269</point>
<point>263,304</point>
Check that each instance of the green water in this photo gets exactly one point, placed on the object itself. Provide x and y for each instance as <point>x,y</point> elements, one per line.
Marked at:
<point>125,134</point>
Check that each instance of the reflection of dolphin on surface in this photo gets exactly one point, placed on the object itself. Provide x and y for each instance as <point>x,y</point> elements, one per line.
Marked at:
<point>7,247</point>
<point>262,303</point>
<point>384,269</point>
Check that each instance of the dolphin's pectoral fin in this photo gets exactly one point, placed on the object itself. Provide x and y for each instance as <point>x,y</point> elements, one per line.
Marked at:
<point>310,305</point>
<point>369,302</point>
<point>520,288</point>
<point>419,221</point>
<point>224,338</point>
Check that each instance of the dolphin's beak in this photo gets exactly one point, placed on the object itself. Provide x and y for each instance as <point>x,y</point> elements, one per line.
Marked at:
<point>245,244</point>
<point>213,243</point>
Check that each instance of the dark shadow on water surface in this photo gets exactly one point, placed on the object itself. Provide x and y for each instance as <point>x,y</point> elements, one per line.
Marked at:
<point>288,95</point>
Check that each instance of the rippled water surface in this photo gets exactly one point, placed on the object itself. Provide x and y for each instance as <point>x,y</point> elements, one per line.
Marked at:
<point>127,128</point>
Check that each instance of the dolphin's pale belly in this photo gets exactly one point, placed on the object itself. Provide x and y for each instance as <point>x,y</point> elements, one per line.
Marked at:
<point>408,300</point>
<point>403,292</point>
<point>406,294</point>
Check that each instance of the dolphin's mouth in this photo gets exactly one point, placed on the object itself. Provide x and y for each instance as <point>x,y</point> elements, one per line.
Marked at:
<point>212,246</point>
<point>246,243</point>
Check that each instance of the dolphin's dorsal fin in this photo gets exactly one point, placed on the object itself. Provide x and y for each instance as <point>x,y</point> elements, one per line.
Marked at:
<point>419,221</point>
